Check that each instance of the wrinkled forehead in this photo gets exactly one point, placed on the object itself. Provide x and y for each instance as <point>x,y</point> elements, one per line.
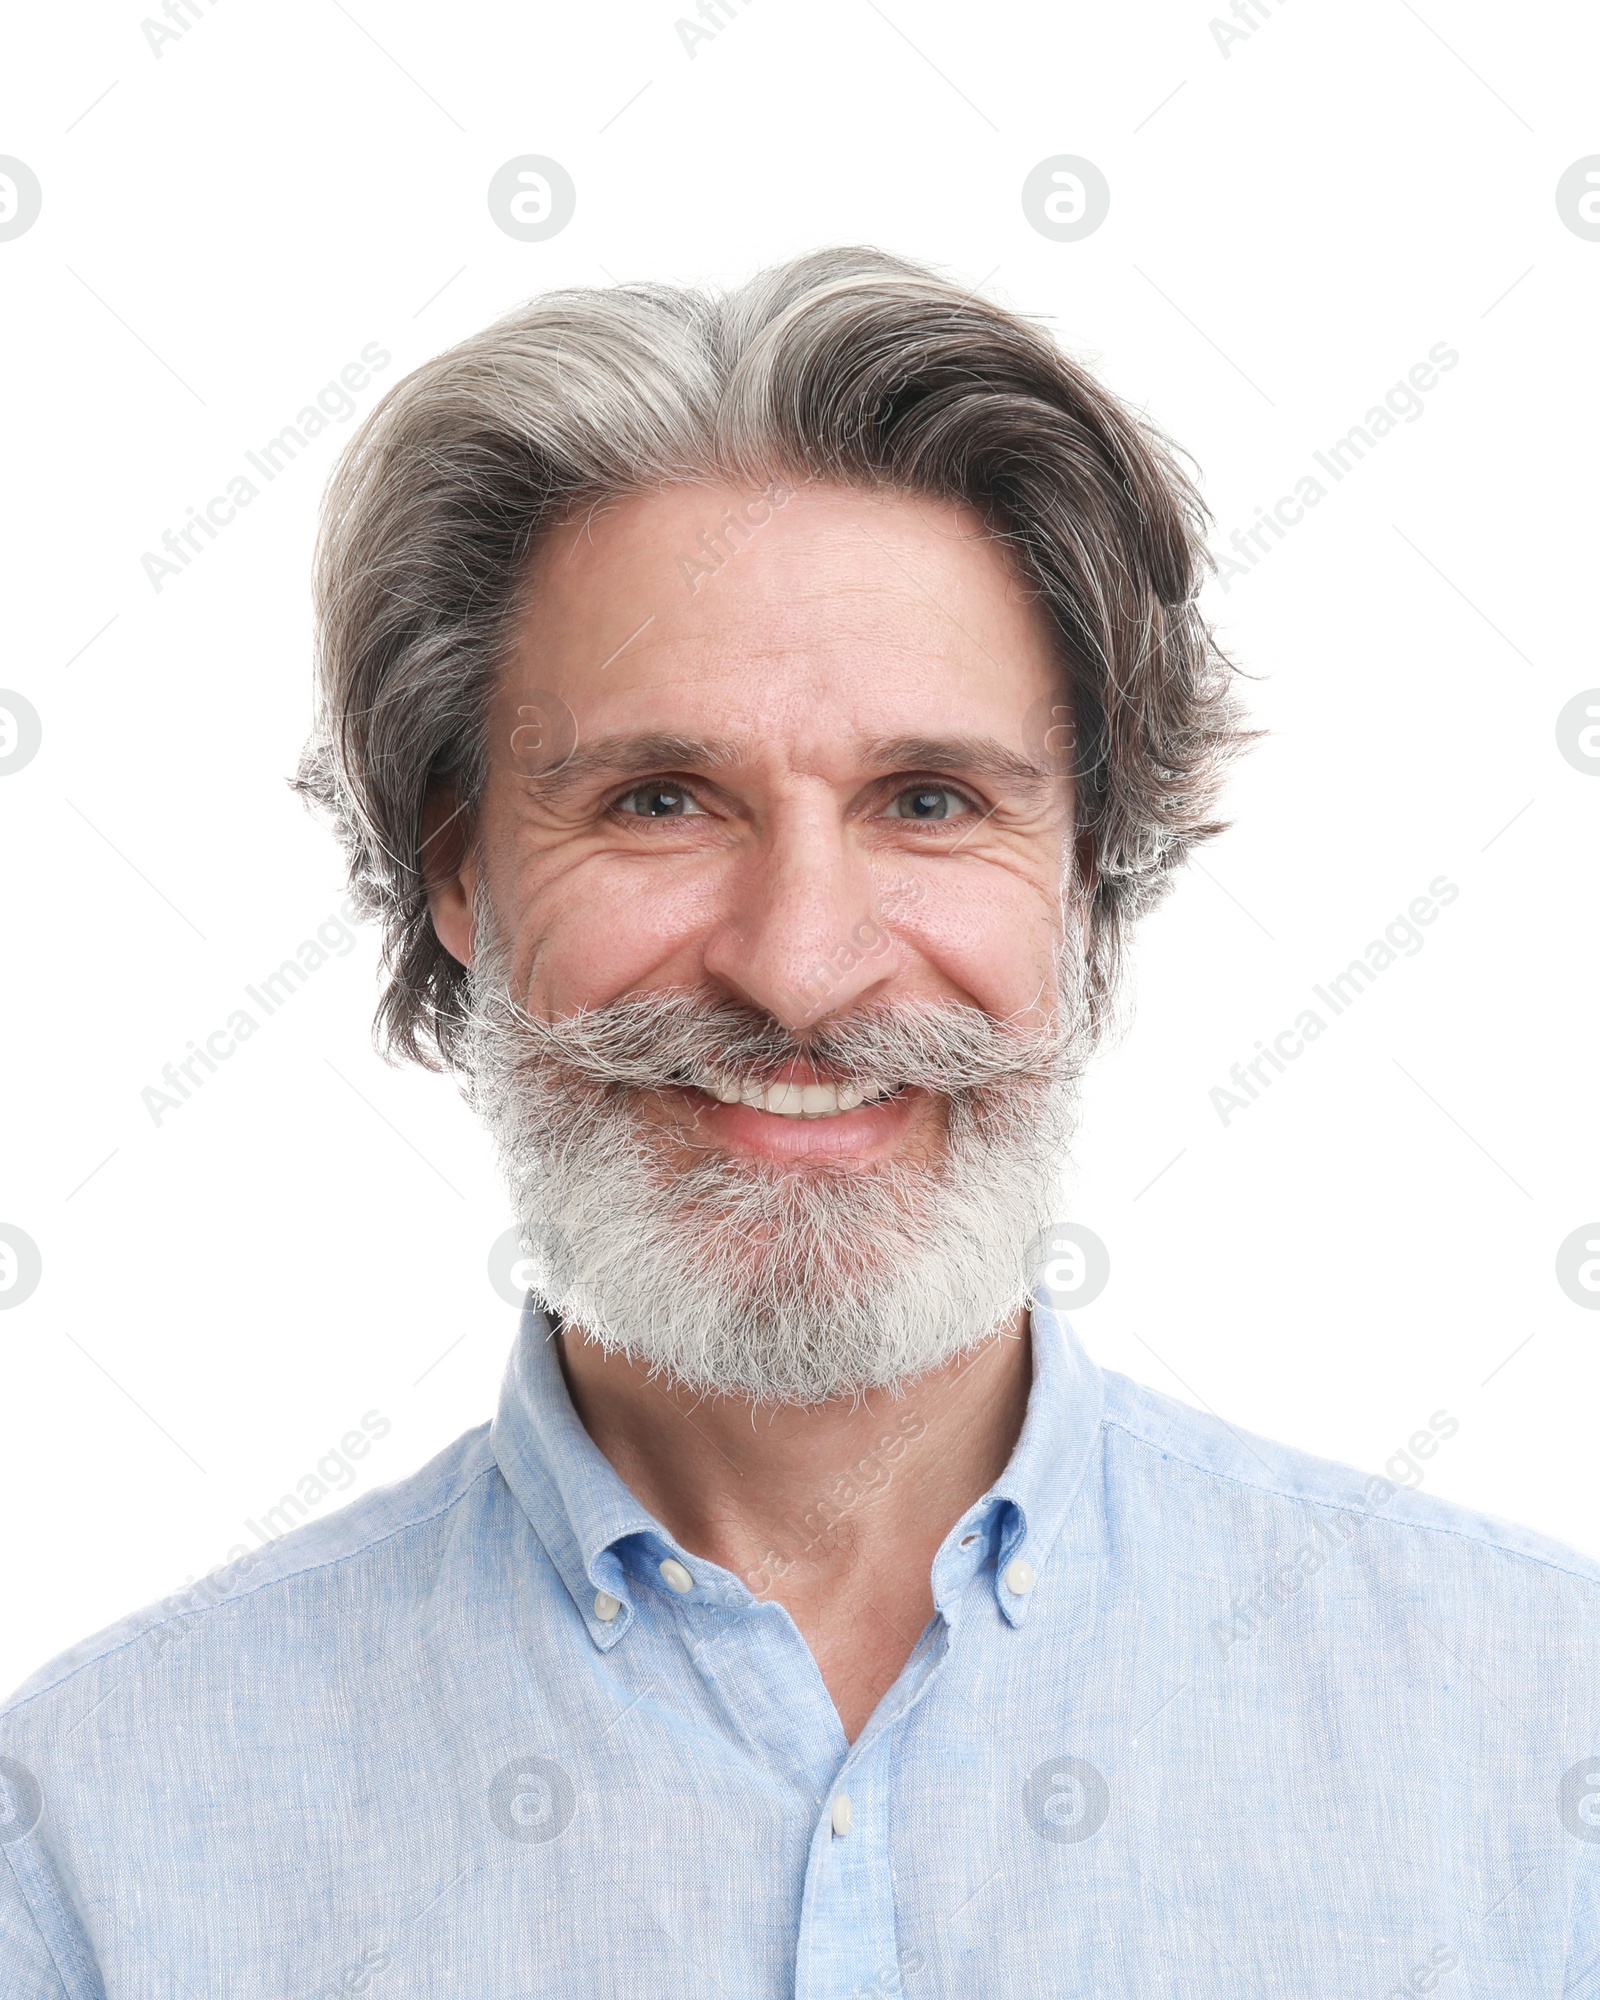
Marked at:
<point>750,608</point>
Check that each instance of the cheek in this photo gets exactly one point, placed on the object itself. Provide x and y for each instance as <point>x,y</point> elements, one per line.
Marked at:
<point>988,935</point>
<point>609,927</point>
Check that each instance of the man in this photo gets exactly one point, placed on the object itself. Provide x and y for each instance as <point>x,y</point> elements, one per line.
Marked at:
<point>756,722</point>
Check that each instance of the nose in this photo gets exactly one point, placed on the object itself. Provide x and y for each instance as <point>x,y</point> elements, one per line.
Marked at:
<point>802,935</point>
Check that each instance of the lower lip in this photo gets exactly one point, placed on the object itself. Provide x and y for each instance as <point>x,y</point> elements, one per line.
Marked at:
<point>740,1128</point>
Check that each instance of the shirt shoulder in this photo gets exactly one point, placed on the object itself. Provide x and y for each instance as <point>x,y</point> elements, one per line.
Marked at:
<point>397,1528</point>
<point>1440,1533</point>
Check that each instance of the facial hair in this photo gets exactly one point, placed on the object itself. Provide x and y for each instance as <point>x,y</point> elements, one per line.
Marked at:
<point>743,1277</point>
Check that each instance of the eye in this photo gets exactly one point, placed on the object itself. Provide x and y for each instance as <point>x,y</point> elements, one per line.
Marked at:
<point>928,802</point>
<point>658,801</point>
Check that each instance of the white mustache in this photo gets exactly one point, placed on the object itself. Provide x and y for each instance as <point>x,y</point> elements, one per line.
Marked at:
<point>656,1040</point>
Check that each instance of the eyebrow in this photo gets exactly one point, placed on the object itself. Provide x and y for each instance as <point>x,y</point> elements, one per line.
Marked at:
<point>627,755</point>
<point>977,756</point>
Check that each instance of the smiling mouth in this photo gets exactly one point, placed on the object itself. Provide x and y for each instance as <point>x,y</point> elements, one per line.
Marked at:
<point>796,1100</point>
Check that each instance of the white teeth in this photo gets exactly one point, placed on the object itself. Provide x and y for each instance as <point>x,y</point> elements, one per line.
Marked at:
<point>796,1100</point>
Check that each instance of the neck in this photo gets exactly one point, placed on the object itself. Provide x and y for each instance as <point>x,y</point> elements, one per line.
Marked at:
<point>800,1502</point>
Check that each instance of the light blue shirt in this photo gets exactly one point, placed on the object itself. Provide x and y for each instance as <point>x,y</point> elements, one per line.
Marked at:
<point>1196,1715</point>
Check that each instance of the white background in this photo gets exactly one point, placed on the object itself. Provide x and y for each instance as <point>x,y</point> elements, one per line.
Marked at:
<point>1293,224</point>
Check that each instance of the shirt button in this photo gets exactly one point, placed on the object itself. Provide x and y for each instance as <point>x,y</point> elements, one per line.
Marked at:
<point>606,1606</point>
<point>1019,1577</point>
<point>843,1813</point>
<point>676,1577</point>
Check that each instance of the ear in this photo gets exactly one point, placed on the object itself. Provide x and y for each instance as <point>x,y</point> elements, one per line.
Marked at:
<point>450,870</point>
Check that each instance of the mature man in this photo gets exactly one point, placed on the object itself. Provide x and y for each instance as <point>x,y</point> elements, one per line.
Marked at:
<point>756,722</point>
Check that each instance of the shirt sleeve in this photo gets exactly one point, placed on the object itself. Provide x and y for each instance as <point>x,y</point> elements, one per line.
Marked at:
<point>27,1970</point>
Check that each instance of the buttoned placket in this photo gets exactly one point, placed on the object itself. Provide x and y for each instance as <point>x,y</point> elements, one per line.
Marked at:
<point>754,1661</point>
<point>746,1651</point>
<point>849,1943</point>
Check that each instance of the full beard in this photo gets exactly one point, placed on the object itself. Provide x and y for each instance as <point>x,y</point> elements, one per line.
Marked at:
<point>743,1277</point>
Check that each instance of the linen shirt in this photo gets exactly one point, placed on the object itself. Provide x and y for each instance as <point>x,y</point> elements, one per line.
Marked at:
<point>1195,1715</point>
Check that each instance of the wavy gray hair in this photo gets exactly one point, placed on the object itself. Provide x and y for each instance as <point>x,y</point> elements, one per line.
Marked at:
<point>846,365</point>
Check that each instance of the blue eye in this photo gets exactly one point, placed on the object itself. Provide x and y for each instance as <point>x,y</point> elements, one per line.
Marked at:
<point>928,802</point>
<point>658,802</point>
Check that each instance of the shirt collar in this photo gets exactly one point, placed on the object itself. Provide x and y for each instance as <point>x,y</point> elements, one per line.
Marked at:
<point>586,1516</point>
<point>564,1483</point>
<point>1020,1518</point>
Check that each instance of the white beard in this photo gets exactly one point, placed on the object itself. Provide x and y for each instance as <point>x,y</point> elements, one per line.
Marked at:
<point>743,1277</point>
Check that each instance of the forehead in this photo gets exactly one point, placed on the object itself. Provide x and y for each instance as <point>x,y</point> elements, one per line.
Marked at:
<point>810,610</point>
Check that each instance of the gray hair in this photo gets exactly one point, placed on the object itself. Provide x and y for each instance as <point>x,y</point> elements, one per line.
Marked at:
<point>845,365</point>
